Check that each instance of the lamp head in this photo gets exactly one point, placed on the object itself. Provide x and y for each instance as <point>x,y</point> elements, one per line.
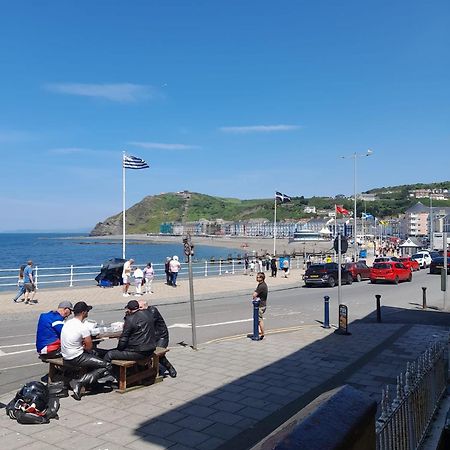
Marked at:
<point>369,152</point>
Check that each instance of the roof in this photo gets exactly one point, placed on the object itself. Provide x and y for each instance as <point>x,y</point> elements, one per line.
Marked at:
<point>410,242</point>
<point>417,208</point>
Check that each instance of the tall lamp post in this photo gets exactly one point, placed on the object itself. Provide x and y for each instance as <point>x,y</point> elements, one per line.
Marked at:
<point>354,156</point>
<point>431,221</point>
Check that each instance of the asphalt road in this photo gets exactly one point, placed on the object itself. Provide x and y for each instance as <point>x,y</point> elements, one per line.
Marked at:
<point>222,317</point>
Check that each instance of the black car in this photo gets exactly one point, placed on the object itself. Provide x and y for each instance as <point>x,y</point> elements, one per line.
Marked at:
<point>326,274</point>
<point>437,264</point>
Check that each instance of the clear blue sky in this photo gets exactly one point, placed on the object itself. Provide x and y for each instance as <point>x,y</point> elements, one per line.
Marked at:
<point>230,98</point>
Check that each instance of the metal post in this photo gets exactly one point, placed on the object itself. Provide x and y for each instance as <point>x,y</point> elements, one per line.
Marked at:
<point>424,297</point>
<point>255,336</point>
<point>206,268</point>
<point>35,278</point>
<point>326,319</point>
<point>444,270</point>
<point>71,276</point>
<point>378,297</point>
<point>191,297</point>
<point>220,266</point>
<point>232,266</point>
<point>339,268</point>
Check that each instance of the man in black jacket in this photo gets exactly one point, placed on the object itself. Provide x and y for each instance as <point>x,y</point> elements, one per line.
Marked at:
<point>138,336</point>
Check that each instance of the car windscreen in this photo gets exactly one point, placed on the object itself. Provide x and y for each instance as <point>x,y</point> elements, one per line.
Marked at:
<point>417,256</point>
<point>381,266</point>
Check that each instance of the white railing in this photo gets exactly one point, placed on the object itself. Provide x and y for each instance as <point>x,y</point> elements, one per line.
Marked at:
<point>71,276</point>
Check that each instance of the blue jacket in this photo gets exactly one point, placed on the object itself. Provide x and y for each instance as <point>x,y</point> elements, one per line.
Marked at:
<point>49,332</point>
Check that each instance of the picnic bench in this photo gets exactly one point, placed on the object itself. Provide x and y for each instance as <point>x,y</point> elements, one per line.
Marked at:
<point>132,374</point>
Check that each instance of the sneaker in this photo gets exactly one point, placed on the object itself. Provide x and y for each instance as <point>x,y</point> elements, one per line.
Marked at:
<point>126,295</point>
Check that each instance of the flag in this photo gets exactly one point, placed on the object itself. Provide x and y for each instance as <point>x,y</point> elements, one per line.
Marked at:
<point>366,216</point>
<point>341,210</point>
<point>282,197</point>
<point>133,162</point>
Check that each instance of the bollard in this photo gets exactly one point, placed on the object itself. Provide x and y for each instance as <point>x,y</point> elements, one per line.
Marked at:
<point>326,319</point>
<point>255,336</point>
<point>424,297</point>
<point>378,297</point>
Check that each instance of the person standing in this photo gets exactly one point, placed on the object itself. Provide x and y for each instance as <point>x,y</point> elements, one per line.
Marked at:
<point>167,270</point>
<point>149,274</point>
<point>49,327</point>
<point>273,266</point>
<point>285,267</point>
<point>29,282</point>
<point>175,267</point>
<point>126,276</point>
<point>260,293</point>
<point>138,276</point>
<point>76,347</point>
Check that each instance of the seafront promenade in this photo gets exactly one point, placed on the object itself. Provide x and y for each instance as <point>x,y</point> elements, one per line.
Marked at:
<point>233,391</point>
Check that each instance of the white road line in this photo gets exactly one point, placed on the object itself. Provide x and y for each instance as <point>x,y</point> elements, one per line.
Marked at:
<point>2,353</point>
<point>17,335</point>
<point>19,367</point>
<point>17,345</point>
<point>188,325</point>
<point>17,353</point>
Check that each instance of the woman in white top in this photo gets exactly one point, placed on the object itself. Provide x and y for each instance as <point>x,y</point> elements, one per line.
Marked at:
<point>149,274</point>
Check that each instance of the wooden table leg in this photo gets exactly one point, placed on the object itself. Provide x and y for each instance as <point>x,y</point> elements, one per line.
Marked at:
<point>123,378</point>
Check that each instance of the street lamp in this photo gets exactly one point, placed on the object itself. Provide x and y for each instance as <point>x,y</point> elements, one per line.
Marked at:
<point>354,156</point>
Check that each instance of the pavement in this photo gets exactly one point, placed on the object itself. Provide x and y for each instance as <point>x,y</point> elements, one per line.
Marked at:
<point>231,392</point>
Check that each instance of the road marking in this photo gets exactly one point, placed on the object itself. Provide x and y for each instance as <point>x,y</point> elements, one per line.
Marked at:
<point>188,325</point>
<point>2,353</point>
<point>17,353</point>
<point>17,335</point>
<point>19,367</point>
<point>16,345</point>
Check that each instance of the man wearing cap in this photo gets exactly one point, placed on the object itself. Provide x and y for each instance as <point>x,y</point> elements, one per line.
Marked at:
<point>76,347</point>
<point>138,336</point>
<point>48,333</point>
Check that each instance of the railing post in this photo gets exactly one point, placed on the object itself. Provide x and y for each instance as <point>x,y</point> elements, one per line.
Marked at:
<point>36,276</point>
<point>71,276</point>
<point>378,297</point>
<point>220,266</point>
<point>206,268</point>
<point>424,297</point>
<point>232,266</point>
<point>326,319</point>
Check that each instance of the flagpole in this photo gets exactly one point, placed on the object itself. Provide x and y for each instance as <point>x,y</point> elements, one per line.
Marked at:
<point>123,205</point>
<point>275,227</point>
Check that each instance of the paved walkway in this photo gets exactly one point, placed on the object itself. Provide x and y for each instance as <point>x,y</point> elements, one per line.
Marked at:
<point>232,392</point>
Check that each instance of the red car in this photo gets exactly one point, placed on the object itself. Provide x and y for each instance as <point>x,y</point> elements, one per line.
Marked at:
<point>359,270</point>
<point>409,263</point>
<point>390,271</point>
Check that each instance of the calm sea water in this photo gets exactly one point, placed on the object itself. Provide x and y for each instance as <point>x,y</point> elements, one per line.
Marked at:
<point>54,249</point>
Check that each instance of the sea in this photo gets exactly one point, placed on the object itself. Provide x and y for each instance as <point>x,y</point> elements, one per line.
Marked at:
<point>63,249</point>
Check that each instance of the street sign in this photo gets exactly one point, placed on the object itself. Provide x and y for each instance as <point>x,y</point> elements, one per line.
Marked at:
<point>344,244</point>
<point>343,320</point>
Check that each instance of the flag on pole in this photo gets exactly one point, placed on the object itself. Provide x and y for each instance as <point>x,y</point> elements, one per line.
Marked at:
<point>367,216</point>
<point>283,198</point>
<point>133,162</point>
<point>341,210</point>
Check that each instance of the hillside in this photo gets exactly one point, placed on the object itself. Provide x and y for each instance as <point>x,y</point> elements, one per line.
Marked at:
<point>147,215</point>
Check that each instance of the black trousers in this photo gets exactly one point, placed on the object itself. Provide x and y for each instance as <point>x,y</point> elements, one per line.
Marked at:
<point>95,366</point>
<point>125,354</point>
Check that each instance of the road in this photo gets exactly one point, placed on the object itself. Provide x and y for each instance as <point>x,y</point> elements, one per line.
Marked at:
<point>222,317</point>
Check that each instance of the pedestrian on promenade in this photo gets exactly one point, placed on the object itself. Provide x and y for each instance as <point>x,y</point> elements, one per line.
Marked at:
<point>252,266</point>
<point>246,265</point>
<point>48,333</point>
<point>29,283</point>
<point>20,284</point>
<point>273,266</point>
<point>260,293</point>
<point>167,270</point>
<point>126,276</point>
<point>161,334</point>
<point>149,274</point>
<point>138,276</point>
<point>285,267</point>
<point>267,261</point>
<point>174,267</point>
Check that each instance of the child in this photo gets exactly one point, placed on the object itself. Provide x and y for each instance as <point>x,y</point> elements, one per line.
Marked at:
<point>138,276</point>
<point>149,274</point>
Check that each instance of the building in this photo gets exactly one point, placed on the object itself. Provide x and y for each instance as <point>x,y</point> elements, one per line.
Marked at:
<point>415,222</point>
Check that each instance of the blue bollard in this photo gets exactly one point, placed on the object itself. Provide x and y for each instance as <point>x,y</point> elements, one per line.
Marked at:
<point>255,336</point>
<point>326,320</point>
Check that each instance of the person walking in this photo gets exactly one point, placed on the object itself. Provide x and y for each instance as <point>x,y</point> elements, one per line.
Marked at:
<point>174,267</point>
<point>138,276</point>
<point>285,267</point>
<point>126,276</point>
<point>261,293</point>
<point>29,283</point>
<point>20,284</point>
<point>273,266</point>
<point>149,274</point>
<point>167,271</point>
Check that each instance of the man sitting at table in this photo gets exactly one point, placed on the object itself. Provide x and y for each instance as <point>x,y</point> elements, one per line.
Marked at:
<point>162,335</point>
<point>76,347</point>
<point>138,336</point>
<point>48,333</point>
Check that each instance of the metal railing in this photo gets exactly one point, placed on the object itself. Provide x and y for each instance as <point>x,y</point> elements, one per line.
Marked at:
<point>405,419</point>
<point>71,276</point>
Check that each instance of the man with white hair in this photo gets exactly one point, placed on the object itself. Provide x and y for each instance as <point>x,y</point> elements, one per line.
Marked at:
<point>126,276</point>
<point>174,267</point>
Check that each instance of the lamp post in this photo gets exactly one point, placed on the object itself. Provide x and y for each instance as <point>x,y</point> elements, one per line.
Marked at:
<point>431,221</point>
<point>354,156</point>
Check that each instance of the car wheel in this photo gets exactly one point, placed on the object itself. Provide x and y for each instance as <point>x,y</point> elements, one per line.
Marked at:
<point>396,280</point>
<point>349,279</point>
<point>358,278</point>
<point>331,282</point>
<point>373,281</point>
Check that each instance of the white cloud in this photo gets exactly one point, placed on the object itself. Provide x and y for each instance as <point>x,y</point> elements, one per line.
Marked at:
<point>119,92</point>
<point>259,129</point>
<point>163,146</point>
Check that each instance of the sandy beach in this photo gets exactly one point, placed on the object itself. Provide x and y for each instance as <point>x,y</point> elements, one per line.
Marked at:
<point>244,244</point>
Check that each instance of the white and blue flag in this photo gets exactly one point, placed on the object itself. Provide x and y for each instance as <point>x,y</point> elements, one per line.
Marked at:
<point>133,162</point>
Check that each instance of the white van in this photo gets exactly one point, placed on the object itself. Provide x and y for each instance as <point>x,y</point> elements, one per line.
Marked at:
<point>423,258</point>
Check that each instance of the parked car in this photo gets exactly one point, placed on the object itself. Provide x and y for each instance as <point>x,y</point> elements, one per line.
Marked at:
<point>391,271</point>
<point>410,263</point>
<point>437,264</point>
<point>423,258</point>
<point>326,274</point>
<point>359,270</point>
<point>385,259</point>
<point>435,254</point>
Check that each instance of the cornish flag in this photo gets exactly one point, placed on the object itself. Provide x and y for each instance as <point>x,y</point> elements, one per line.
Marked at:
<point>283,198</point>
<point>133,162</point>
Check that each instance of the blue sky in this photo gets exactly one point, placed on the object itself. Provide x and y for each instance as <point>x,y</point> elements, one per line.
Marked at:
<point>228,98</point>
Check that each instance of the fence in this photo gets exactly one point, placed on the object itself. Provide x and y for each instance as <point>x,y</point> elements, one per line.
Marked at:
<point>69,276</point>
<point>404,421</point>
